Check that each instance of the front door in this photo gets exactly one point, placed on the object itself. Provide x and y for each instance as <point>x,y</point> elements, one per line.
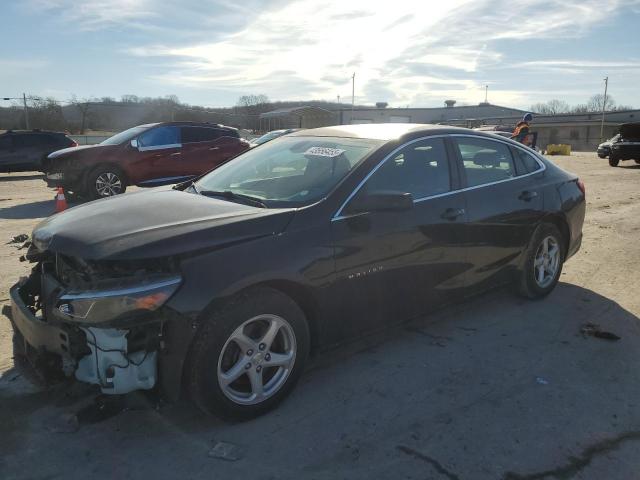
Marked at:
<point>394,265</point>
<point>504,203</point>
<point>158,160</point>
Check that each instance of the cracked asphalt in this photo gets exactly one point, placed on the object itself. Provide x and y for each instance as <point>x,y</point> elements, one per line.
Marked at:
<point>497,387</point>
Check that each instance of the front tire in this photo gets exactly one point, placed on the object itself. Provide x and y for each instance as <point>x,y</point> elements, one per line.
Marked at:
<point>613,161</point>
<point>543,262</point>
<point>105,181</point>
<point>248,355</point>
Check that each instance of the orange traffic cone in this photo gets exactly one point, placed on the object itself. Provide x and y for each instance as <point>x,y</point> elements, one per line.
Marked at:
<point>61,201</point>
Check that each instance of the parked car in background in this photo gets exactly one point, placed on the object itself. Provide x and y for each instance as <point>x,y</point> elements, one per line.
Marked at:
<point>271,135</point>
<point>25,150</point>
<point>146,155</point>
<point>604,149</point>
<point>225,284</point>
<point>627,144</point>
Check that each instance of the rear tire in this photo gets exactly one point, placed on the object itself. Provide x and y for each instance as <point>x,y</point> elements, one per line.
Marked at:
<point>235,369</point>
<point>543,261</point>
<point>105,181</point>
<point>613,161</point>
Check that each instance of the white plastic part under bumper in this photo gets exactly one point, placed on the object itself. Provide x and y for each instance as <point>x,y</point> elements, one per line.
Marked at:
<point>112,367</point>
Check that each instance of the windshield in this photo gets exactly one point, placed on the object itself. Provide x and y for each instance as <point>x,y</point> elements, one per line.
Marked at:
<point>290,171</point>
<point>125,136</point>
<point>268,136</point>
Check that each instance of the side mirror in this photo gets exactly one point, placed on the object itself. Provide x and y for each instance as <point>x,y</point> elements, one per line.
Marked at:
<point>382,201</point>
<point>134,143</point>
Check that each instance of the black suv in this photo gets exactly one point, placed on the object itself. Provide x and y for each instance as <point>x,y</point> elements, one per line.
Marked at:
<point>24,150</point>
<point>625,145</point>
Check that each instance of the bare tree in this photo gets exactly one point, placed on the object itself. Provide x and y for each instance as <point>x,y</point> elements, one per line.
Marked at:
<point>552,107</point>
<point>46,113</point>
<point>595,103</point>
<point>580,108</point>
<point>252,100</point>
<point>83,107</point>
<point>129,99</point>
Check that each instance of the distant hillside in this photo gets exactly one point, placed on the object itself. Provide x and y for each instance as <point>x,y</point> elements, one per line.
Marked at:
<point>118,115</point>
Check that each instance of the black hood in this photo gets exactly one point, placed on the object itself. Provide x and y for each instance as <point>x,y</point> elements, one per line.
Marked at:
<point>66,151</point>
<point>154,223</point>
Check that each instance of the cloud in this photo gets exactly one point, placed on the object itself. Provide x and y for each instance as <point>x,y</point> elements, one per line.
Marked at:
<point>412,52</point>
<point>96,14</point>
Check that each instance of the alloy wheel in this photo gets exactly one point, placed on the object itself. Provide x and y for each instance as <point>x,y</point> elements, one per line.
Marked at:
<point>108,184</point>
<point>547,262</point>
<point>256,359</point>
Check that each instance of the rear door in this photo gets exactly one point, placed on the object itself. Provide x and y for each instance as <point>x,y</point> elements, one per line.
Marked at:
<point>504,204</point>
<point>28,151</point>
<point>201,149</point>
<point>158,160</point>
<point>394,265</point>
<point>7,152</point>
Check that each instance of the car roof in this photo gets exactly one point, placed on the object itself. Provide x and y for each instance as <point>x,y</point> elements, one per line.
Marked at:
<point>379,131</point>
<point>192,124</point>
<point>32,132</point>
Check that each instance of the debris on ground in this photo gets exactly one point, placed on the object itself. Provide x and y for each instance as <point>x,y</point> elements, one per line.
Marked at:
<point>227,451</point>
<point>593,330</point>
<point>23,237</point>
<point>542,381</point>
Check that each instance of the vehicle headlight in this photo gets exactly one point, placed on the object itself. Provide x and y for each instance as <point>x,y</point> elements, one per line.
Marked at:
<point>108,305</point>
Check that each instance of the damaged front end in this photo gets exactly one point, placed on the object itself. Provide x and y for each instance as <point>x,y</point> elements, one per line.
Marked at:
<point>96,320</point>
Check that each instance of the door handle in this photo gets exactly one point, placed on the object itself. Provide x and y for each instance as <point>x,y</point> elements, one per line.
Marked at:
<point>452,213</point>
<point>214,148</point>
<point>175,154</point>
<point>527,195</point>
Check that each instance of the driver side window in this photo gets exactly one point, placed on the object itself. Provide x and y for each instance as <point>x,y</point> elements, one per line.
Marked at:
<point>161,137</point>
<point>421,169</point>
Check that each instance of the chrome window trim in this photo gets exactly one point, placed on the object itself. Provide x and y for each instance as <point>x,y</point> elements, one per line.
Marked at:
<point>338,215</point>
<point>159,147</point>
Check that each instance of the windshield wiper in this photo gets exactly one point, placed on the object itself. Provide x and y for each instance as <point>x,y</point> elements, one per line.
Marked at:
<point>229,195</point>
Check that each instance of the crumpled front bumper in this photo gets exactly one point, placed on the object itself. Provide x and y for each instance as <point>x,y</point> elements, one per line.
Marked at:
<point>34,332</point>
<point>94,355</point>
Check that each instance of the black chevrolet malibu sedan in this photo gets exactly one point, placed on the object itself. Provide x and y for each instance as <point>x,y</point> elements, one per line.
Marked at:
<point>226,284</point>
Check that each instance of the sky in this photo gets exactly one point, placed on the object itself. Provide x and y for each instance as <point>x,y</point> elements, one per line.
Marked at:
<point>413,53</point>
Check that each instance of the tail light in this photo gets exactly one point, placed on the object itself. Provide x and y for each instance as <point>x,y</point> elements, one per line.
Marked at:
<point>581,187</point>
<point>74,143</point>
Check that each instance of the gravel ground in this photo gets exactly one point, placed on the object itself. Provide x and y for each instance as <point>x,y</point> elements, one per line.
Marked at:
<point>497,387</point>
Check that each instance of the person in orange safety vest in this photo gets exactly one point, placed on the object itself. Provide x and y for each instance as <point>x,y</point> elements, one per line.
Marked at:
<point>522,129</point>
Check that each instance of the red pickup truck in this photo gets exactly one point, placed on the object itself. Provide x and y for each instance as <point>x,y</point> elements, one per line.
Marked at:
<point>146,155</point>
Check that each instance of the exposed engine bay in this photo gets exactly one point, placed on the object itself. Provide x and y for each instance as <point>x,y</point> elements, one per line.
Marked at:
<point>94,320</point>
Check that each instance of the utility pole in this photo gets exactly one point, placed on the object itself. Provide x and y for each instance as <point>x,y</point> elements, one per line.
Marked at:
<point>604,104</point>
<point>486,93</point>
<point>26,110</point>
<point>338,98</point>
<point>353,94</point>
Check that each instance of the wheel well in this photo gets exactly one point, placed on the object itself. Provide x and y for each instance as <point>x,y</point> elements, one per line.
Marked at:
<point>561,225</point>
<point>305,300</point>
<point>107,165</point>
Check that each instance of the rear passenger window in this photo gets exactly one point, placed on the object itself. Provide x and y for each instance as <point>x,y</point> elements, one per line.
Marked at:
<point>421,169</point>
<point>199,134</point>
<point>485,161</point>
<point>525,161</point>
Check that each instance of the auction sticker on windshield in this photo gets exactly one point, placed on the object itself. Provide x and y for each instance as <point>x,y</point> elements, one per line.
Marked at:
<point>324,152</point>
